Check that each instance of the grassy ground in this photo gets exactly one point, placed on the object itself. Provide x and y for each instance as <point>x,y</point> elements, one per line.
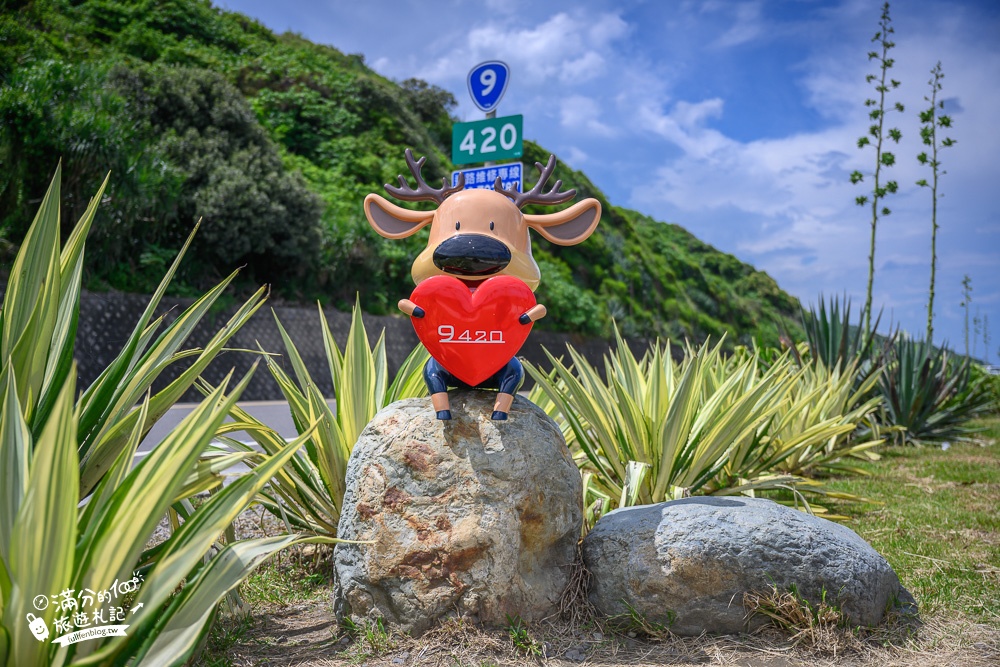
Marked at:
<point>937,522</point>
<point>934,514</point>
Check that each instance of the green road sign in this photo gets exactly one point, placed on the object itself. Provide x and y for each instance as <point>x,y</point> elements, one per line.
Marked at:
<point>487,140</point>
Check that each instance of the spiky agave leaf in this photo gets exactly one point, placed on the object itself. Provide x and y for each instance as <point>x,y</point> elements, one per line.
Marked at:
<point>928,395</point>
<point>307,494</point>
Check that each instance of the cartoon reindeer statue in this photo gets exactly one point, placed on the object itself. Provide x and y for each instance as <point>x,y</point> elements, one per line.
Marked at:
<point>474,304</point>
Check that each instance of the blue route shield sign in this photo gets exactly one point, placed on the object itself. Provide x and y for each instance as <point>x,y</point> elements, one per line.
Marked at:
<point>487,84</point>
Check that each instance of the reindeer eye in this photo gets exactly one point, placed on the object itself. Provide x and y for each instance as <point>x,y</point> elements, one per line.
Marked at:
<point>491,225</point>
<point>458,225</point>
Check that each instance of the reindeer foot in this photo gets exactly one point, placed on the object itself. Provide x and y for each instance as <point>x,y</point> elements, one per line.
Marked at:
<point>441,405</point>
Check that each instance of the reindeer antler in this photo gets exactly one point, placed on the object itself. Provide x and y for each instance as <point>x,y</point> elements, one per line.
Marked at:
<point>535,194</point>
<point>422,192</point>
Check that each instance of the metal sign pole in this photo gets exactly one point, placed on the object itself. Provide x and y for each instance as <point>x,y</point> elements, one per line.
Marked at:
<point>490,114</point>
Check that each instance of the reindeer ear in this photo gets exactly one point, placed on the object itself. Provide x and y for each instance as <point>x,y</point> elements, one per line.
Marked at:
<point>568,227</point>
<point>394,222</point>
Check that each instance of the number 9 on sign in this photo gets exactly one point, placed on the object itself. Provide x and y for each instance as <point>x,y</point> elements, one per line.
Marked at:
<point>487,84</point>
<point>488,79</point>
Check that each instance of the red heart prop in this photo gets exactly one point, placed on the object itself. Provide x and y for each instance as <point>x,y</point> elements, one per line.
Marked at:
<point>473,334</point>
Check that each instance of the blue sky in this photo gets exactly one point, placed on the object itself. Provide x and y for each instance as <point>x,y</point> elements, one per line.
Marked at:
<point>735,119</point>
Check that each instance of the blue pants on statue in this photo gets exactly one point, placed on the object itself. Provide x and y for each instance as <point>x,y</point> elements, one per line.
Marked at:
<point>507,380</point>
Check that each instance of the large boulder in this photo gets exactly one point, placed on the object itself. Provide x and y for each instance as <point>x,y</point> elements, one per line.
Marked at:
<point>687,563</point>
<point>470,516</point>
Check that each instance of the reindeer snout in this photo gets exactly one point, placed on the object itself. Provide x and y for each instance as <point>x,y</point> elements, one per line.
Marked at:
<point>471,255</point>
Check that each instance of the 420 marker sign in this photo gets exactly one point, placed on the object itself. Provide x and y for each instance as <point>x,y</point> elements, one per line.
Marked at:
<point>487,140</point>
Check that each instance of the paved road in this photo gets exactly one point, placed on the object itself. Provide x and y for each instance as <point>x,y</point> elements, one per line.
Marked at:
<point>273,413</point>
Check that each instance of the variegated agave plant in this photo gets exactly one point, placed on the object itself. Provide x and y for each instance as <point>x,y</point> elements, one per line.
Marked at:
<point>75,515</point>
<point>653,429</point>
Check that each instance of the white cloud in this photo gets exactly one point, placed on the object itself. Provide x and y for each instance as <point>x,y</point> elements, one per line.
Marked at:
<point>503,6</point>
<point>588,66</point>
<point>684,126</point>
<point>607,29</point>
<point>575,157</point>
<point>565,47</point>
<point>577,112</point>
<point>747,27</point>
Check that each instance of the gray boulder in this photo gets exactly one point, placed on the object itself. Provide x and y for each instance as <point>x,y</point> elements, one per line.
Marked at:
<point>472,517</point>
<point>686,564</point>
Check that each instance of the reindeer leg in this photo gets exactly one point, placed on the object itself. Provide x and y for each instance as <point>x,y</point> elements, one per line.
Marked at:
<point>502,406</point>
<point>511,378</point>
<point>441,405</point>
<point>436,378</point>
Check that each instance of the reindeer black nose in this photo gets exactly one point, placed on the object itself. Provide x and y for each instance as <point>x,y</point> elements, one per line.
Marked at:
<point>471,255</point>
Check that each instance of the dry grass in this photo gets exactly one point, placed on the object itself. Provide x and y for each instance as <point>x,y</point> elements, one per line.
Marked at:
<point>575,606</point>
<point>305,633</point>
<point>816,626</point>
<point>936,522</point>
<point>937,643</point>
<point>297,627</point>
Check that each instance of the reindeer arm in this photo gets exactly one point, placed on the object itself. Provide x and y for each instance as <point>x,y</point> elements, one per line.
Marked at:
<point>534,314</point>
<point>410,308</point>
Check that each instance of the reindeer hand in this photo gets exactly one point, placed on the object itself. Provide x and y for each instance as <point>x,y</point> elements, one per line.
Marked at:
<point>534,314</point>
<point>410,308</point>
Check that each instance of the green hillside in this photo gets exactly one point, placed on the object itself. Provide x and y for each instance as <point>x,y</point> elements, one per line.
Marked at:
<point>274,141</point>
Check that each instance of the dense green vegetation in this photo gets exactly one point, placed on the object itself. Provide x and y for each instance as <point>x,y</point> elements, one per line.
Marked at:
<point>274,141</point>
